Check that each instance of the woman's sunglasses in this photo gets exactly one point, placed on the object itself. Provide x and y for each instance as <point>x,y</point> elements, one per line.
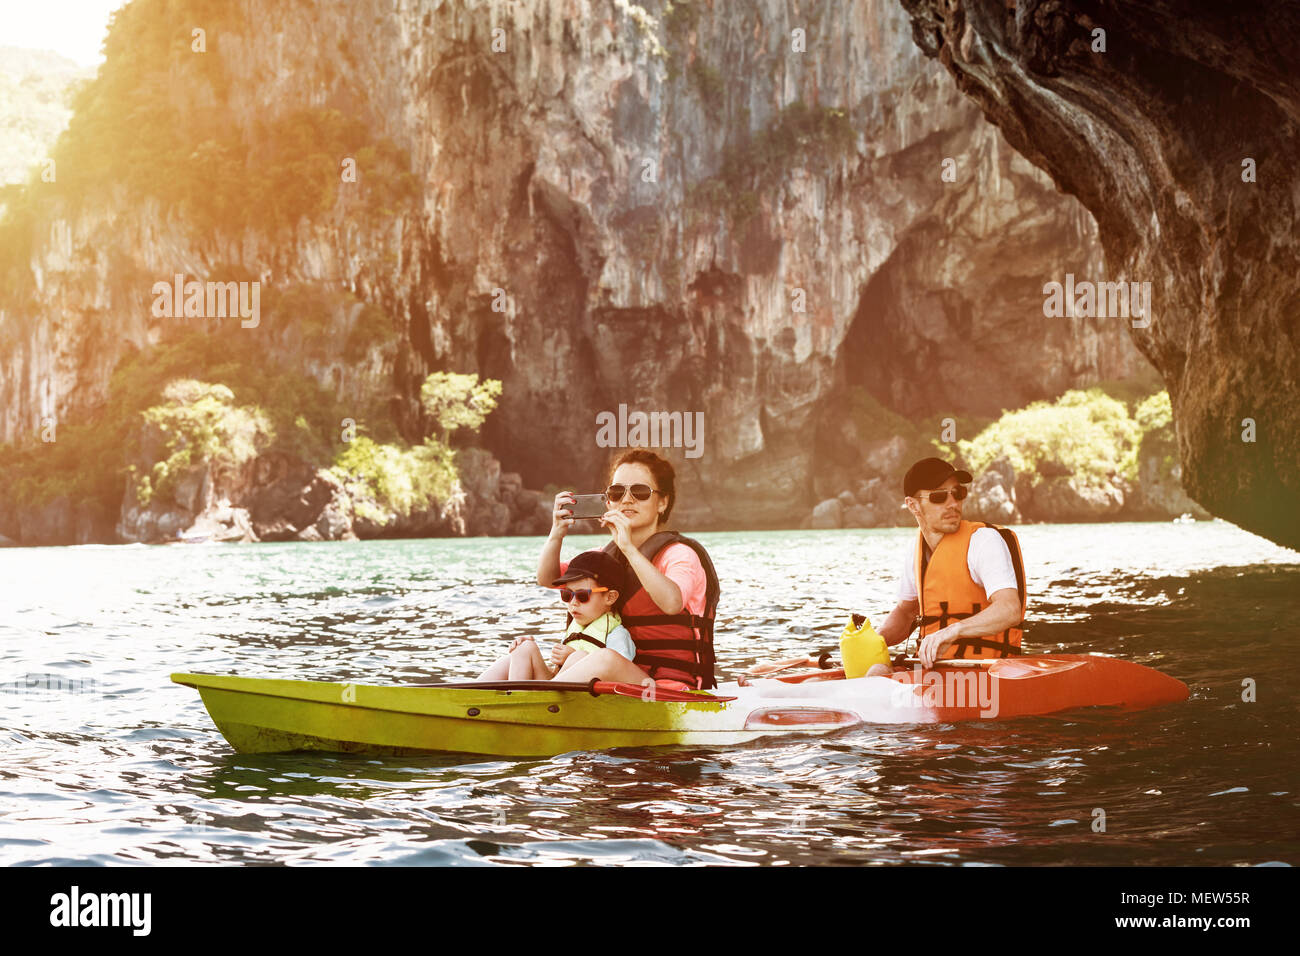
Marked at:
<point>615,493</point>
<point>939,497</point>
<point>582,594</point>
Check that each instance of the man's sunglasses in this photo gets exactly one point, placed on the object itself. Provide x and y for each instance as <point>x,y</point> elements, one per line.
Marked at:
<point>615,493</point>
<point>582,594</point>
<point>939,497</point>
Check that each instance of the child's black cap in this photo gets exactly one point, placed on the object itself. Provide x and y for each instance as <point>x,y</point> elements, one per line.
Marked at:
<point>605,568</point>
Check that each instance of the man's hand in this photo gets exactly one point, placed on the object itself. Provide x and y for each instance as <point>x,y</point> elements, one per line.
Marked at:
<point>933,646</point>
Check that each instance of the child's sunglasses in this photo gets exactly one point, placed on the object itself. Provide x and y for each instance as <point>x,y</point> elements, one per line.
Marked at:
<point>615,493</point>
<point>582,594</point>
<point>939,497</point>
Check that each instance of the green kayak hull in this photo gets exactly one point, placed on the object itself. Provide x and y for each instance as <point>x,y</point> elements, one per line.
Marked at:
<point>271,716</point>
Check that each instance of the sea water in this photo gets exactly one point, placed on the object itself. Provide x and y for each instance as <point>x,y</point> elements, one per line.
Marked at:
<point>104,761</point>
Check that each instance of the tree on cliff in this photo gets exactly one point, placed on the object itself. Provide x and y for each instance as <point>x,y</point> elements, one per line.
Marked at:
<point>458,401</point>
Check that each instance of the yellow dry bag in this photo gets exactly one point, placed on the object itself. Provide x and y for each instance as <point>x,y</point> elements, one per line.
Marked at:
<point>861,647</point>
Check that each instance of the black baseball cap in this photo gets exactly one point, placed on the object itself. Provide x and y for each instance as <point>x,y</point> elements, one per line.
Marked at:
<point>605,568</point>
<point>930,473</point>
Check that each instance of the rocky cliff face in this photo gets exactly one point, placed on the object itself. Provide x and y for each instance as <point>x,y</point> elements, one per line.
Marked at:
<point>740,210</point>
<point>1175,123</point>
<point>672,233</point>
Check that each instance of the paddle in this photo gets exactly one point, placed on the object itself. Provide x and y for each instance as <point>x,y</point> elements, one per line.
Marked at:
<point>948,662</point>
<point>821,661</point>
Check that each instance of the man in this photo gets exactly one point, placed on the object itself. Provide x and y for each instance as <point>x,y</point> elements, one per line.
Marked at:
<point>971,596</point>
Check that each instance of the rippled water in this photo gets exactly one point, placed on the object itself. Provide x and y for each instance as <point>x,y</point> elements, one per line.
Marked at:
<point>103,760</point>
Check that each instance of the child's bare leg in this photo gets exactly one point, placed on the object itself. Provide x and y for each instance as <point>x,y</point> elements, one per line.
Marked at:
<point>526,663</point>
<point>880,670</point>
<point>569,662</point>
<point>500,670</point>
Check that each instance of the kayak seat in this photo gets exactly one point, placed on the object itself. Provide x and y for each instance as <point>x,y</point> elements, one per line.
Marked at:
<point>1020,668</point>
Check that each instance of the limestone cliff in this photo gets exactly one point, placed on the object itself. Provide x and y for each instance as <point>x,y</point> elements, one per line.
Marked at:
<point>738,209</point>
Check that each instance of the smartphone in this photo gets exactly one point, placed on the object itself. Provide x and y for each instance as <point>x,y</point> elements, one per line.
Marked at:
<point>588,506</point>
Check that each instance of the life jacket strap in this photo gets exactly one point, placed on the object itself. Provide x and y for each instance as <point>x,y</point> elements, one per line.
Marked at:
<point>945,616</point>
<point>579,636</point>
<point>694,668</point>
<point>993,642</point>
<point>651,620</point>
<point>702,667</point>
<point>1001,643</point>
<point>1004,647</point>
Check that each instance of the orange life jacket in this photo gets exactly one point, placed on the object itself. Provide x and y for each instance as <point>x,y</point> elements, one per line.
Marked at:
<point>945,591</point>
<point>672,646</point>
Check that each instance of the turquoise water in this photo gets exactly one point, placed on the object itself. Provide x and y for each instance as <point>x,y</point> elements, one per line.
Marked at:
<point>104,761</point>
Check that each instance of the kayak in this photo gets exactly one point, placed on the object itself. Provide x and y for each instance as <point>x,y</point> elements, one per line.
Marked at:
<point>544,718</point>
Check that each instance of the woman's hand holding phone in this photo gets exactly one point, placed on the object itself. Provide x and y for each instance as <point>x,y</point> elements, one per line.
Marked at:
<point>619,529</point>
<point>561,515</point>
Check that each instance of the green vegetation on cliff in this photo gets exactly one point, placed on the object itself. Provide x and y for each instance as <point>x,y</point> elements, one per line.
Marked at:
<point>400,479</point>
<point>1093,434</point>
<point>1155,416</point>
<point>201,423</point>
<point>170,410</point>
<point>1084,433</point>
<point>403,479</point>
<point>456,401</point>
<point>90,460</point>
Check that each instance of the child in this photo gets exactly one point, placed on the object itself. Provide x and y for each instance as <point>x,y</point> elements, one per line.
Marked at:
<point>590,587</point>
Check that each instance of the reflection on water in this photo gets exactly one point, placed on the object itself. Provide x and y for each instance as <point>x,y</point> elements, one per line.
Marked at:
<point>102,760</point>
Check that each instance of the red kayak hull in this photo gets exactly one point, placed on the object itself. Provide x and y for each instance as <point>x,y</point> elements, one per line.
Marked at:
<point>1025,686</point>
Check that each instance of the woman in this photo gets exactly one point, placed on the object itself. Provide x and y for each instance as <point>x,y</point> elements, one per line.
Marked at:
<point>673,589</point>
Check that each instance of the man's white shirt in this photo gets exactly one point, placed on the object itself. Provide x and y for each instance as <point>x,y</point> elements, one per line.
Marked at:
<point>988,559</point>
